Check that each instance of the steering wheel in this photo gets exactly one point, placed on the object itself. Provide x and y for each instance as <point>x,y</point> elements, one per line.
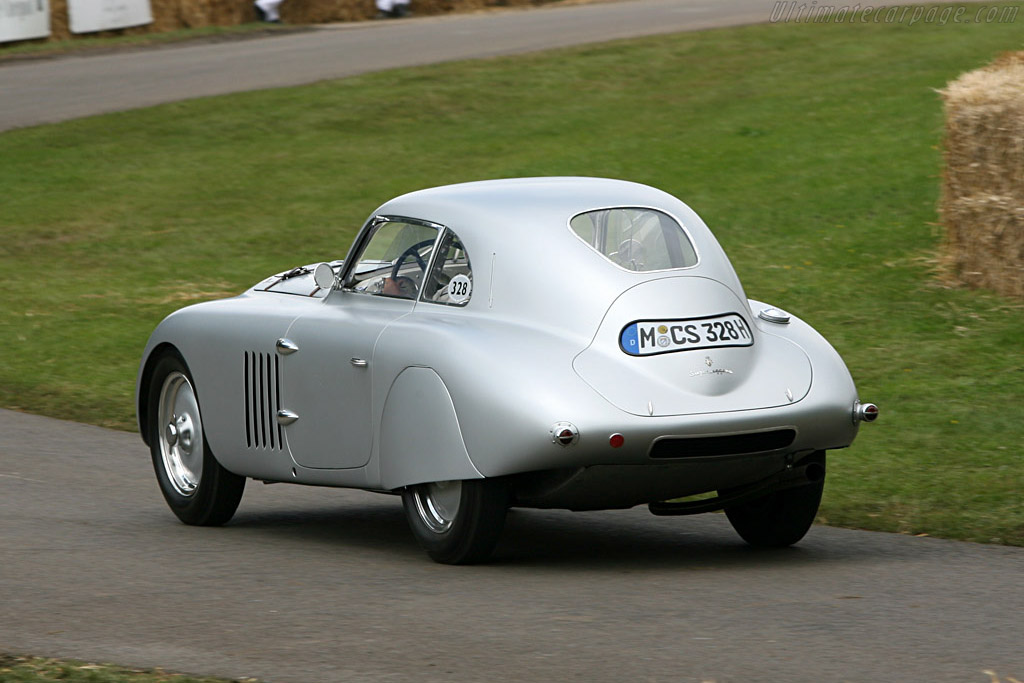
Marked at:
<point>414,252</point>
<point>631,254</point>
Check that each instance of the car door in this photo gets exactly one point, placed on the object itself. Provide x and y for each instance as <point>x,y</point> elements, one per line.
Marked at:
<point>326,379</point>
<point>327,354</point>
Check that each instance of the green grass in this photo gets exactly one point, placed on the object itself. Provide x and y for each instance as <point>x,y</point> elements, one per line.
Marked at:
<point>17,669</point>
<point>813,151</point>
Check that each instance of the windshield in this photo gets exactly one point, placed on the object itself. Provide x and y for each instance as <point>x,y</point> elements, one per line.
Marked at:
<point>636,239</point>
<point>394,259</point>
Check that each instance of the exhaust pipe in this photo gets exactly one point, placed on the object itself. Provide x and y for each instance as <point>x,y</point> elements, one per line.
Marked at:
<point>814,472</point>
<point>865,412</point>
<point>810,473</point>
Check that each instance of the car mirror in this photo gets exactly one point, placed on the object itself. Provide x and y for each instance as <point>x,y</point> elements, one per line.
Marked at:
<point>323,276</point>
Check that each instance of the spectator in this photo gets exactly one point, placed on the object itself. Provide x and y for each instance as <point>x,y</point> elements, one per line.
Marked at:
<point>266,10</point>
<point>392,9</point>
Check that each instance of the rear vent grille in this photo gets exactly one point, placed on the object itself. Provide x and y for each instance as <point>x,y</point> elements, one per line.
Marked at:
<point>262,401</point>
<point>732,444</point>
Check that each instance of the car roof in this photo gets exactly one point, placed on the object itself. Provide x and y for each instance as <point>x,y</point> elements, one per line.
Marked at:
<point>524,204</point>
<point>518,238</point>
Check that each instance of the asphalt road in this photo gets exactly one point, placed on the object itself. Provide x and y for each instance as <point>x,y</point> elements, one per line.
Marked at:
<point>328,585</point>
<point>45,91</point>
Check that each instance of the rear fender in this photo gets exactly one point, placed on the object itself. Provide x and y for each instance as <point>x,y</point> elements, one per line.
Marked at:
<point>420,437</point>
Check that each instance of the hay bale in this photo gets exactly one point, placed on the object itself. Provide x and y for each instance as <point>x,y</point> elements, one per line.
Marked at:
<point>985,242</point>
<point>168,15</point>
<point>983,188</point>
<point>172,15</point>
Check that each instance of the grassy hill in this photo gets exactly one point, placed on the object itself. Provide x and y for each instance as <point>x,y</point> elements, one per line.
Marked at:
<point>813,151</point>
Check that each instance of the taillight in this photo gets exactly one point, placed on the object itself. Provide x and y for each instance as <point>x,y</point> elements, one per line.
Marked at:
<point>865,412</point>
<point>564,433</point>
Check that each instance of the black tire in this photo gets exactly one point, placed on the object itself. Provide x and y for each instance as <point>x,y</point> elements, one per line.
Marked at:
<point>781,518</point>
<point>457,522</point>
<point>197,489</point>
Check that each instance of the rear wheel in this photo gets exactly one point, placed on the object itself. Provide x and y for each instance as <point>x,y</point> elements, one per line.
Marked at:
<point>781,518</point>
<point>197,489</point>
<point>457,522</point>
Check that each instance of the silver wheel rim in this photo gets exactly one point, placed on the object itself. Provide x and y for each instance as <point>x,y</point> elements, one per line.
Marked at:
<point>181,434</point>
<point>437,504</point>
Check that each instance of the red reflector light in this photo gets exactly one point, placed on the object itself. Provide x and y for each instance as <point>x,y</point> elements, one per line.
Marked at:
<point>616,440</point>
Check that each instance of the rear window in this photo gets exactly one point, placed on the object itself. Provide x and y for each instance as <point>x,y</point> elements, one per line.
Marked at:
<point>636,239</point>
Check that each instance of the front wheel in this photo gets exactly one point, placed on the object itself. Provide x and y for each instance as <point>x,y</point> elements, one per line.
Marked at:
<point>197,489</point>
<point>781,518</point>
<point>457,522</point>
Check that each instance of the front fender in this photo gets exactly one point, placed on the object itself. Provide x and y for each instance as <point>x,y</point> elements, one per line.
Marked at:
<point>158,345</point>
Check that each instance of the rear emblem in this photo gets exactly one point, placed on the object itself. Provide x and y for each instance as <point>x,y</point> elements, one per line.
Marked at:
<point>714,371</point>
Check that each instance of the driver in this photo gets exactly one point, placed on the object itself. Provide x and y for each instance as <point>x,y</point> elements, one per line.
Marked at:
<point>402,287</point>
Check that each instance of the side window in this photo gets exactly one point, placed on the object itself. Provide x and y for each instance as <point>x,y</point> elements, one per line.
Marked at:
<point>394,260</point>
<point>451,279</point>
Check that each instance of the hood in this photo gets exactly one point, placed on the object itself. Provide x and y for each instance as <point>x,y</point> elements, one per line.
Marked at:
<point>298,281</point>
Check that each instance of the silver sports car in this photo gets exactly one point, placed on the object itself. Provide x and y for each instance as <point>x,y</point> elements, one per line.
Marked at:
<point>575,343</point>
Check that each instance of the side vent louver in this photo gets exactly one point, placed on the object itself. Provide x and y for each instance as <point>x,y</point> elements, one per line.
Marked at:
<point>262,400</point>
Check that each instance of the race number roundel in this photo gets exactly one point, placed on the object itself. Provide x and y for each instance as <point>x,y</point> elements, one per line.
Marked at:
<point>460,289</point>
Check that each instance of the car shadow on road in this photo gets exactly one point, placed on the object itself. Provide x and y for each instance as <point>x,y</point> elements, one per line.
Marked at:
<point>627,539</point>
<point>377,525</point>
<point>634,540</point>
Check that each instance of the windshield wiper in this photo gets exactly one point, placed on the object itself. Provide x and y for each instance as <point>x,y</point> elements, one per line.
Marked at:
<point>294,272</point>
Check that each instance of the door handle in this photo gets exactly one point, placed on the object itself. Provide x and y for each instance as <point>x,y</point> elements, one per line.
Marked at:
<point>358,362</point>
<point>286,346</point>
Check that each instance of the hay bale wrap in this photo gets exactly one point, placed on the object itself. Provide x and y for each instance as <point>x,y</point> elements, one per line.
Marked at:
<point>983,189</point>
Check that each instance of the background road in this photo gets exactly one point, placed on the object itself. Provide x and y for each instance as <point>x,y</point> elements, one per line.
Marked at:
<point>328,585</point>
<point>46,91</point>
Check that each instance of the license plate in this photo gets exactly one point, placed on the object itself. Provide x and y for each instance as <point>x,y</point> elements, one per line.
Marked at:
<point>651,337</point>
